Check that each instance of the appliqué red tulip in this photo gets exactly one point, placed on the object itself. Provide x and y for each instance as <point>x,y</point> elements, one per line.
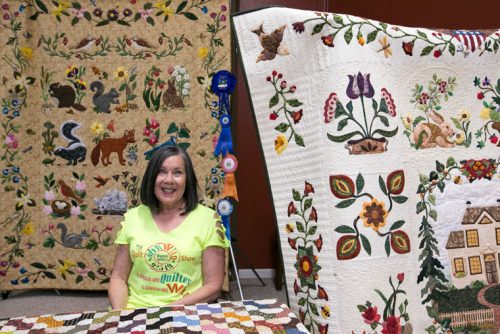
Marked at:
<point>296,288</point>
<point>322,293</point>
<point>313,215</point>
<point>328,41</point>
<point>401,277</point>
<point>297,116</point>
<point>291,209</point>
<point>319,243</point>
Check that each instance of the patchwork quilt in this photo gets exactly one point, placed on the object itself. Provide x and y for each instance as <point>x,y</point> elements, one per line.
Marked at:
<point>262,316</point>
<point>381,144</point>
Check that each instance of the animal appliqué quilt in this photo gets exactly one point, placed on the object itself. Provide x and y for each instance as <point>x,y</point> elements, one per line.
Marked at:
<point>381,144</point>
<point>88,90</point>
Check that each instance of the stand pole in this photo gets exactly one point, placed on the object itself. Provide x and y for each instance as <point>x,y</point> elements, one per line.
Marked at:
<point>235,269</point>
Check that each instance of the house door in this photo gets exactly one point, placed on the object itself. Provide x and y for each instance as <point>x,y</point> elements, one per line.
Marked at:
<point>491,268</point>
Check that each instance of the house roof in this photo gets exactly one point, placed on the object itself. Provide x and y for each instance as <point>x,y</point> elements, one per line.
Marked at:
<point>471,215</point>
<point>456,240</point>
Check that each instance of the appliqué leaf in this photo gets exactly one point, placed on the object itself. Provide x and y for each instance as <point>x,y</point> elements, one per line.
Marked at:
<point>348,247</point>
<point>342,186</point>
<point>396,182</point>
<point>400,242</point>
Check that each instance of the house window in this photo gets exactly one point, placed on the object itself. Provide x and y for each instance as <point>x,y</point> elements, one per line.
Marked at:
<point>498,236</point>
<point>459,265</point>
<point>475,265</point>
<point>472,238</point>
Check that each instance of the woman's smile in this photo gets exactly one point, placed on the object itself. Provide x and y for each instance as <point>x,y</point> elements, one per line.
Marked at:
<point>170,183</point>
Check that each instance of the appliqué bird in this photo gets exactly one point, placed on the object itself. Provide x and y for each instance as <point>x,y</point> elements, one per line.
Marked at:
<point>272,43</point>
<point>66,191</point>
<point>84,44</point>
<point>141,43</point>
<point>101,181</point>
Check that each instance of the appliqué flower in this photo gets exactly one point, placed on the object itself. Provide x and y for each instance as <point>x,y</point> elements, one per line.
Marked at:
<point>371,315</point>
<point>359,85</point>
<point>280,144</point>
<point>330,105</point>
<point>391,325</point>
<point>298,27</point>
<point>389,101</point>
<point>328,41</point>
<point>374,214</point>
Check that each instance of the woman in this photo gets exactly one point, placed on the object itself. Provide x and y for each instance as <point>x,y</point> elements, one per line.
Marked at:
<point>170,248</point>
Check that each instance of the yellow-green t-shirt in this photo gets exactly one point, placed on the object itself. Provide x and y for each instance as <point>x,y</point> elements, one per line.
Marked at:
<point>167,266</point>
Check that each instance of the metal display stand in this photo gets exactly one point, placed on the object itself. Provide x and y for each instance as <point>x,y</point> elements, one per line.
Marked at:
<point>235,269</point>
<point>233,246</point>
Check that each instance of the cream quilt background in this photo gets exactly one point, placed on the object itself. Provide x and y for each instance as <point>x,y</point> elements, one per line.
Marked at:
<point>381,146</point>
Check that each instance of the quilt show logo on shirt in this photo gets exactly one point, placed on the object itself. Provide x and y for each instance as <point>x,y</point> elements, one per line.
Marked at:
<point>162,256</point>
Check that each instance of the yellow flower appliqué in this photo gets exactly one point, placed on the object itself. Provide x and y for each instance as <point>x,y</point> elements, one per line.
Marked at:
<point>373,214</point>
<point>459,138</point>
<point>202,53</point>
<point>463,115</point>
<point>28,229</point>
<point>121,73</point>
<point>66,265</point>
<point>97,128</point>
<point>27,52</point>
<point>280,144</point>
<point>485,113</point>
<point>161,5</point>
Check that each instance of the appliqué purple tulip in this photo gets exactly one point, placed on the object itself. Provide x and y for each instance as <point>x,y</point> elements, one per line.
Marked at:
<point>359,85</point>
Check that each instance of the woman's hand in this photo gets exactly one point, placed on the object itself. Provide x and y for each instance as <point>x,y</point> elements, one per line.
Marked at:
<point>213,265</point>
<point>118,287</point>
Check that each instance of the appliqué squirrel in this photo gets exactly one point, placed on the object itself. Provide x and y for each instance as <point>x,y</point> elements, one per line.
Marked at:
<point>65,96</point>
<point>72,240</point>
<point>75,151</point>
<point>103,101</point>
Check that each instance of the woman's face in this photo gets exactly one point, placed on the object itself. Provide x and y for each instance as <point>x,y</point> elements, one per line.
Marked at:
<point>170,183</point>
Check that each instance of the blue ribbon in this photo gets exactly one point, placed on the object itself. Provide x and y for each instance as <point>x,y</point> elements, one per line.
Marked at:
<point>227,226</point>
<point>223,84</point>
<point>225,142</point>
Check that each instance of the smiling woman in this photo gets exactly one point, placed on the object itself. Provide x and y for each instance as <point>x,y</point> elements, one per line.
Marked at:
<point>171,249</point>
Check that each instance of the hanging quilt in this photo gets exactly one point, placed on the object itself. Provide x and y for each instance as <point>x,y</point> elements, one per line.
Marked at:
<point>381,144</point>
<point>88,90</point>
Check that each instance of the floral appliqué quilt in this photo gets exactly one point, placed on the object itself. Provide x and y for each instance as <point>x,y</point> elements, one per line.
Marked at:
<point>381,144</point>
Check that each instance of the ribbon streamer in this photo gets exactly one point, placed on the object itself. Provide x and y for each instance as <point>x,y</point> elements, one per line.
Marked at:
<point>230,187</point>
<point>225,142</point>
